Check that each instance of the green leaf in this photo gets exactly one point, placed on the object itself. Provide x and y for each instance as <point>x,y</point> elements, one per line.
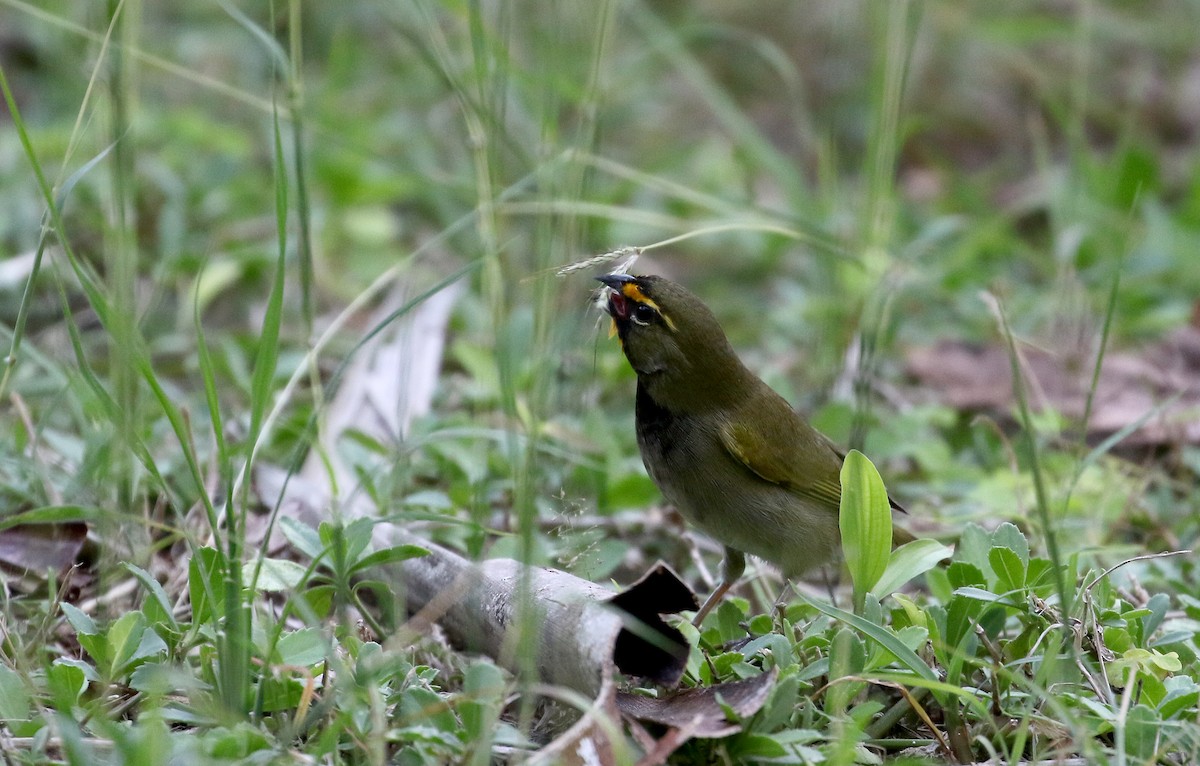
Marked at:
<point>483,680</point>
<point>865,518</point>
<point>960,618</point>
<point>319,599</point>
<point>972,548</point>
<point>54,514</point>
<point>123,639</point>
<point>302,537</point>
<point>913,637</point>
<point>1009,569</point>
<point>779,647</point>
<point>748,747</point>
<point>391,555</point>
<point>158,607</point>
<point>907,657</point>
<point>982,594</point>
<point>160,679</point>
<point>1157,605</point>
<point>908,561</point>
<point>1039,577</point>
<point>484,686</point>
<point>419,705</point>
<point>80,621</point>
<point>206,587</point>
<point>277,575</point>
<point>780,706</point>
<point>847,657</point>
<point>14,698</point>
<point>1142,728</point>
<point>66,683</point>
<point>1182,694</point>
<point>353,537</point>
<point>963,574</point>
<point>1008,536</point>
<point>729,619</point>
<point>302,648</point>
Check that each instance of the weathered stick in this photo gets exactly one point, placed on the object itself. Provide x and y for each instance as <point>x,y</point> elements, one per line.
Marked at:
<point>582,631</point>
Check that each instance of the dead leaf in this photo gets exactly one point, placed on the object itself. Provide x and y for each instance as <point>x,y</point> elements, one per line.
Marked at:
<point>38,548</point>
<point>697,712</point>
<point>978,378</point>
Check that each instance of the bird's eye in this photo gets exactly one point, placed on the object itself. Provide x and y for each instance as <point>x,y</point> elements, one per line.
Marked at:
<point>644,314</point>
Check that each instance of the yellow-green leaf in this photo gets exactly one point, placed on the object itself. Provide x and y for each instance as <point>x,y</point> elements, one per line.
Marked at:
<point>866,523</point>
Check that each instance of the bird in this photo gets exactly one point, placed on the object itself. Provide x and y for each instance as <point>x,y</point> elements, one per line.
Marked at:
<point>733,457</point>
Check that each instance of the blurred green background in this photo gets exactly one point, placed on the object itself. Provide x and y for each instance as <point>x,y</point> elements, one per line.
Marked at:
<point>843,182</point>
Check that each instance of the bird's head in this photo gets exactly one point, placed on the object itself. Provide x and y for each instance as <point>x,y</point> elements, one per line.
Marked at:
<point>672,341</point>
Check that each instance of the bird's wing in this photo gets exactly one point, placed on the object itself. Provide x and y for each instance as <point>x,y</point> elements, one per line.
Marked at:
<point>778,446</point>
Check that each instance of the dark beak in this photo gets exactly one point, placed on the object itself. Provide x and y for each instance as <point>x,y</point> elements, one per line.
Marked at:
<point>616,280</point>
<point>617,304</point>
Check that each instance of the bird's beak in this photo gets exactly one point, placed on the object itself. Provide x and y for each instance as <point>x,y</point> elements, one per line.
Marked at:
<point>616,281</point>
<point>618,305</point>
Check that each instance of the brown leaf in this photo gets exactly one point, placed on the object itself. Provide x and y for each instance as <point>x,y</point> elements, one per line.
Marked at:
<point>36,548</point>
<point>696,712</point>
<point>1131,384</point>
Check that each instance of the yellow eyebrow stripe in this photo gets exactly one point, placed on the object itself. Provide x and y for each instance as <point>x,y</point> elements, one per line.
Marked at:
<point>634,293</point>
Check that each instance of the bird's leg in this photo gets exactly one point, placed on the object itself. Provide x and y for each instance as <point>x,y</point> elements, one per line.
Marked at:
<point>780,607</point>
<point>731,569</point>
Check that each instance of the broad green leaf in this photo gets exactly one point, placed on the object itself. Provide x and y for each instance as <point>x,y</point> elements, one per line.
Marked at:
<point>963,574</point>
<point>1008,536</point>
<point>124,637</point>
<point>419,705</point>
<point>302,648</point>
<point>729,619</point>
<point>779,647</point>
<point>483,680</point>
<point>89,671</point>
<point>908,561</point>
<point>780,706</point>
<point>751,747</point>
<point>1142,730</point>
<point>960,618</point>
<point>912,613</point>
<point>151,645</point>
<point>1039,577</point>
<point>66,683</point>
<point>80,621</point>
<point>1182,694</point>
<point>1157,605</point>
<point>1151,690</point>
<point>1009,569</point>
<point>865,519</point>
<point>302,537</point>
<point>277,575</point>
<point>14,698</point>
<point>161,678</point>
<point>352,539</point>
<point>973,546</point>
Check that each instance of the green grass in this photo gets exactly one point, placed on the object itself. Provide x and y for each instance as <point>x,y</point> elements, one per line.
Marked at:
<point>203,203</point>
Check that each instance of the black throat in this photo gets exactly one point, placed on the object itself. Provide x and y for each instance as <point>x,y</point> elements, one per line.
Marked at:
<point>659,430</point>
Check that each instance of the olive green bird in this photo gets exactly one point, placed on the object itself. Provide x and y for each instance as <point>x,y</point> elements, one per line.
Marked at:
<point>726,450</point>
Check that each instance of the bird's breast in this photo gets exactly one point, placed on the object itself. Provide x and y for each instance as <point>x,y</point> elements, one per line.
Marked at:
<point>686,458</point>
